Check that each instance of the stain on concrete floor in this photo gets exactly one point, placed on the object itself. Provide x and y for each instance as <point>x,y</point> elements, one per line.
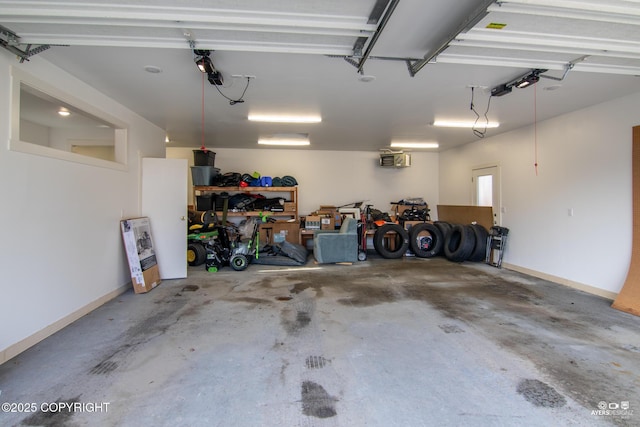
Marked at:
<point>60,414</point>
<point>541,394</point>
<point>582,349</point>
<point>316,402</point>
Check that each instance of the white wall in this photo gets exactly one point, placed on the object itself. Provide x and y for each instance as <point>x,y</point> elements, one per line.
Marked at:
<point>333,177</point>
<point>584,164</point>
<point>61,247</point>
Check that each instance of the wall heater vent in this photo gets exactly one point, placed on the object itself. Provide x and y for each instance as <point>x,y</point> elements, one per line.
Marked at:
<point>395,160</point>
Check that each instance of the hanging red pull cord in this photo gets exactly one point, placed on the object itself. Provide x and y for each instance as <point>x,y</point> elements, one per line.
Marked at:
<point>535,127</point>
<point>202,147</point>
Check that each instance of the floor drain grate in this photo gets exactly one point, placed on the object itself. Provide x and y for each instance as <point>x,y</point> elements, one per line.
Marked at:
<point>316,362</point>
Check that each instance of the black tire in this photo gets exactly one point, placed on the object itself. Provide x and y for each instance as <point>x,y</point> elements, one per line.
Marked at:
<point>445,229</point>
<point>460,243</point>
<point>196,254</point>
<point>417,236</point>
<point>448,239</point>
<point>239,262</point>
<point>401,241</point>
<point>480,249</point>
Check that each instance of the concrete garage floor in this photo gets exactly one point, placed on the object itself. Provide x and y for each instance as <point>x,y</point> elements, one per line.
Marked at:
<point>412,342</point>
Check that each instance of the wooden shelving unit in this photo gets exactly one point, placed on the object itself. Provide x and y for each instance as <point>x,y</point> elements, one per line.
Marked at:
<point>292,198</point>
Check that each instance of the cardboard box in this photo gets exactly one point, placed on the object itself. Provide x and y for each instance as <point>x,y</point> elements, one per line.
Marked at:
<point>138,245</point>
<point>289,206</point>
<point>285,230</point>
<point>456,214</point>
<point>312,222</point>
<point>331,211</point>
<point>327,209</point>
<point>327,223</point>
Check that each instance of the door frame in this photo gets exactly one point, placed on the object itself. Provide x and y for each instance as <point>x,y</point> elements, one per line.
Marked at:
<point>494,168</point>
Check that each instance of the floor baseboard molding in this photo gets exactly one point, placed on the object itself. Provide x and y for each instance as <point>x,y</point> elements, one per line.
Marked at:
<point>555,279</point>
<point>17,348</point>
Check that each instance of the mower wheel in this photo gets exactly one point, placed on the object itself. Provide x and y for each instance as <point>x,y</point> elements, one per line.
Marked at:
<point>239,262</point>
<point>196,254</point>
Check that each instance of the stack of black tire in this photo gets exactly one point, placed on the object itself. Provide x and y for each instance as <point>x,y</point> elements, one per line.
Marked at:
<point>463,242</point>
<point>457,242</point>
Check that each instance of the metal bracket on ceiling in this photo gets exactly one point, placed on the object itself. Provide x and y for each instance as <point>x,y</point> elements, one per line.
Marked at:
<point>351,61</point>
<point>567,68</point>
<point>388,6</point>
<point>10,41</point>
<point>476,16</point>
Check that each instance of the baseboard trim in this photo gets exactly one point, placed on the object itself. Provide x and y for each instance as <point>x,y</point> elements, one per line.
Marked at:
<point>17,348</point>
<point>555,279</point>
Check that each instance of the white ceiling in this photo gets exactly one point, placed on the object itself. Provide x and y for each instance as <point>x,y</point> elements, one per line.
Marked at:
<point>296,50</point>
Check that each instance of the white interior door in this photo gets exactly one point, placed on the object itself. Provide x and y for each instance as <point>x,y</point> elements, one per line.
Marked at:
<point>486,190</point>
<point>164,201</point>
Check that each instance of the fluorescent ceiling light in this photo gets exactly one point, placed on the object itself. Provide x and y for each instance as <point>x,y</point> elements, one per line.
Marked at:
<point>284,141</point>
<point>64,112</point>
<point>465,124</point>
<point>401,144</point>
<point>273,118</point>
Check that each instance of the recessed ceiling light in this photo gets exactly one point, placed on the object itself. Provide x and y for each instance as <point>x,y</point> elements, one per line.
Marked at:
<point>64,112</point>
<point>272,118</point>
<point>290,142</point>
<point>152,69</point>
<point>411,144</point>
<point>465,124</point>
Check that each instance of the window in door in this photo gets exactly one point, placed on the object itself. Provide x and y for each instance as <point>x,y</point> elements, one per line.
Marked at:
<point>486,190</point>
